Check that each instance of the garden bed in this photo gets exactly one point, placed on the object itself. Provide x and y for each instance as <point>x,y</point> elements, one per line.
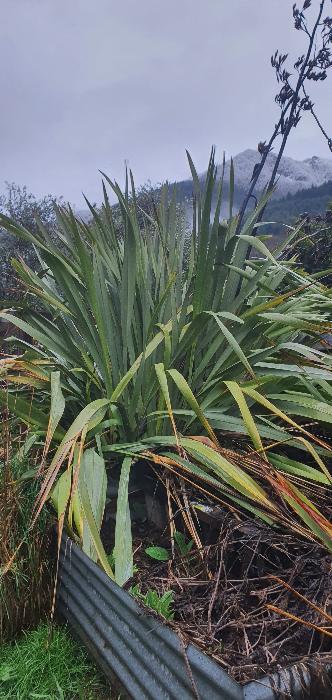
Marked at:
<point>221,596</point>
<point>221,592</point>
<point>148,658</point>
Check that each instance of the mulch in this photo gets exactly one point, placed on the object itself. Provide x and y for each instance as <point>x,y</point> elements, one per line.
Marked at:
<point>221,595</point>
<point>230,592</point>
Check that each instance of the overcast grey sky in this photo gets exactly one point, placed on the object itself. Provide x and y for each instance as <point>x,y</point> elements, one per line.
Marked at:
<point>86,84</point>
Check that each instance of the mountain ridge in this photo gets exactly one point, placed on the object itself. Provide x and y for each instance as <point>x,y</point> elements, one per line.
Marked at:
<point>293,175</point>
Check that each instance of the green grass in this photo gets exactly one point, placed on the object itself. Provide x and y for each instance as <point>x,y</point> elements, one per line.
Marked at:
<point>49,666</point>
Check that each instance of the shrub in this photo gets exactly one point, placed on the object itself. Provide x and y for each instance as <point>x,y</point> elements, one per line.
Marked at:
<point>25,208</point>
<point>313,245</point>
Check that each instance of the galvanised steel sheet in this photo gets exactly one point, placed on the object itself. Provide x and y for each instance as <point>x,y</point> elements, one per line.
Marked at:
<point>146,657</point>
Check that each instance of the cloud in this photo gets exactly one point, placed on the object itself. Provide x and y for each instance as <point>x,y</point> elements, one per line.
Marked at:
<point>86,85</point>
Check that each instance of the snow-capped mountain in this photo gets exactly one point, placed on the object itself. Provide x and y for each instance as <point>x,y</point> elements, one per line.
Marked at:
<point>293,175</point>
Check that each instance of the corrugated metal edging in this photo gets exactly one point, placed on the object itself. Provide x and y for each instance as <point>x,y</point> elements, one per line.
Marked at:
<point>146,656</point>
<point>299,682</point>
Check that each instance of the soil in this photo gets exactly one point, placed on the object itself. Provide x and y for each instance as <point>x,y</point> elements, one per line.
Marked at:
<point>222,590</point>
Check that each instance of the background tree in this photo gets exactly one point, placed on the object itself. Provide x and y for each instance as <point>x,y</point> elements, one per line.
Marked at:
<point>26,209</point>
<point>313,245</point>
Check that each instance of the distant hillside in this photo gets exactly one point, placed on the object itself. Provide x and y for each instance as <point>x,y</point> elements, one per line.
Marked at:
<point>293,177</point>
<point>301,185</point>
<point>314,201</point>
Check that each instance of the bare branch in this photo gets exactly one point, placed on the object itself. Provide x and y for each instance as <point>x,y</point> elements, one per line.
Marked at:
<point>293,99</point>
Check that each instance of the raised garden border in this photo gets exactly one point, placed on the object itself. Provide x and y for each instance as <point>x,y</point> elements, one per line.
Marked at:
<point>147,658</point>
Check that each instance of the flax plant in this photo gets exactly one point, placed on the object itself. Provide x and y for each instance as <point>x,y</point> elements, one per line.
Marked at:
<point>145,341</point>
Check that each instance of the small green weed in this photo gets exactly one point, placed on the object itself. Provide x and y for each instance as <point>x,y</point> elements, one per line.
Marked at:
<point>158,553</point>
<point>183,546</point>
<point>162,554</point>
<point>161,604</point>
<point>48,664</point>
